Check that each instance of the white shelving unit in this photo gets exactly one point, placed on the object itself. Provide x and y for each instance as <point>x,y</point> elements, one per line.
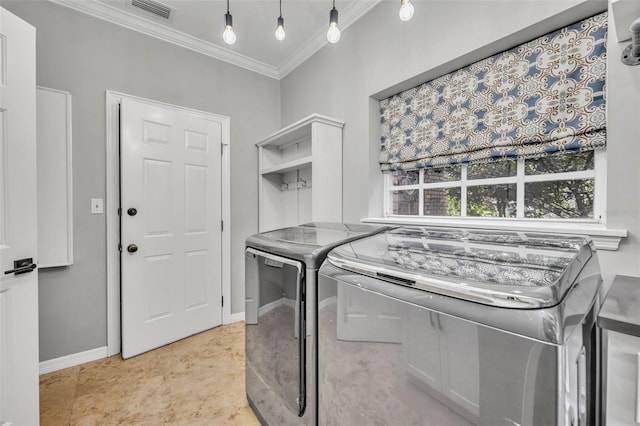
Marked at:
<point>300,173</point>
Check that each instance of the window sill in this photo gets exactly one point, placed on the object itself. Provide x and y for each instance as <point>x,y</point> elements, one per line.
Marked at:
<point>603,237</point>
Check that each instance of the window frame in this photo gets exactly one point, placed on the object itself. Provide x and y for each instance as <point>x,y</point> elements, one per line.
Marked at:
<point>598,174</point>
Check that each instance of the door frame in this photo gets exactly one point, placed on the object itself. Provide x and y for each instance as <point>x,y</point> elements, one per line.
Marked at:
<point>113,101</point>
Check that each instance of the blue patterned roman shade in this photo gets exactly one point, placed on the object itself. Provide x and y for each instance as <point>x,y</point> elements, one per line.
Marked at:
<point>541,98</point>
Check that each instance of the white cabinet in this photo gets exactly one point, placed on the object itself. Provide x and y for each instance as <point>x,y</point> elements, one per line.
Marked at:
<point>623,386</point>
<point>619,321</point>
<point>300,174</point>
<point>55,198</point>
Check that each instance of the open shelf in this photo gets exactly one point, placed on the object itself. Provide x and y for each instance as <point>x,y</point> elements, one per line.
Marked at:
<point>300,174</point>
<point>288,166</point>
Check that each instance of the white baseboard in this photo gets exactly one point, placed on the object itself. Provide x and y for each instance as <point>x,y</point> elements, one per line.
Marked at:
<point>73,360</point>
<point>238,316</point>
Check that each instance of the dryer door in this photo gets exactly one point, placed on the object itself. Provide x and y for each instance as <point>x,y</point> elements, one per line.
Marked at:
<point>275,330</point>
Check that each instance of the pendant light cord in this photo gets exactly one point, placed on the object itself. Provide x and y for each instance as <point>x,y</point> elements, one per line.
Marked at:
<point>280,8</point>
<point>228,6</point>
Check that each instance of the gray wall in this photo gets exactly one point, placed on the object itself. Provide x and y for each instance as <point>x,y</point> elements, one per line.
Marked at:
<point>379,52</point>
<point>87,56</point>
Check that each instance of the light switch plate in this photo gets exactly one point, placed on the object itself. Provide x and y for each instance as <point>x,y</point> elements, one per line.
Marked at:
<point>96,206</point>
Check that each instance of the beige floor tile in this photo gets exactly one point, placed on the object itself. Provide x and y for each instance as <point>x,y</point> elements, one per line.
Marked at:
<point>101,376</point>
<point>245,416</point>
<point>142,365</point>
<point>196,381</point>
<point>60,377</point>
<point>58,390</point>
<point>98,409</point>
<point>149,397</point>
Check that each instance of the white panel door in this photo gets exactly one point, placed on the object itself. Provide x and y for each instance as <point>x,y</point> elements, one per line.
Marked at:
<point>171,176</point>
<point>18,223</point>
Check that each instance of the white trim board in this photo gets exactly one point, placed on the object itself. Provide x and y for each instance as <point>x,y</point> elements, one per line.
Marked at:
<point>113,100</point>
<point>120,17</point>
<point>237,317</point>
<point>72,360</point>
<point>350,14</point>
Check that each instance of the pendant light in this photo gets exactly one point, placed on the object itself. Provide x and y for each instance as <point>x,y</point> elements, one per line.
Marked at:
<point>406,10</point>
<point>280,34</point>
<point>333,35</point>
<point>228,35</point>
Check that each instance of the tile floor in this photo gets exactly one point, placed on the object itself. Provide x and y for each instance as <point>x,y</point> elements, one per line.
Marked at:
<point>196,381</point>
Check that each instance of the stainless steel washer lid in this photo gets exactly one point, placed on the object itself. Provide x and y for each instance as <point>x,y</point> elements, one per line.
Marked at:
<point>503,269</point>
<point>310,242</point>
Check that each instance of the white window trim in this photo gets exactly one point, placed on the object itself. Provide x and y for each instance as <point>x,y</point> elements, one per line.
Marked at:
<point>604,238</point>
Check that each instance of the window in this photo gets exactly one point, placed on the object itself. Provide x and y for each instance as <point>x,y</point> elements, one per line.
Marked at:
<point>558,187</point>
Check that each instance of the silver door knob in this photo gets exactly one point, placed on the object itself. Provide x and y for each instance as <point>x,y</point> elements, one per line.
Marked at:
<point>132,248</point>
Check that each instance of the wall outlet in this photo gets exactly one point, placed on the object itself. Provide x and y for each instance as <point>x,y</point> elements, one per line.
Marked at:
<point>96,206</point>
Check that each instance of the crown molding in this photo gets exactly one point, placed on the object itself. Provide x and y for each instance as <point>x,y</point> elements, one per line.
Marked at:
<point>350,14</point>
<point>142,25</point>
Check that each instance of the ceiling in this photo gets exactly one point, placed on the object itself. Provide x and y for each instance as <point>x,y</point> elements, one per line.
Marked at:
<point>198,25</point>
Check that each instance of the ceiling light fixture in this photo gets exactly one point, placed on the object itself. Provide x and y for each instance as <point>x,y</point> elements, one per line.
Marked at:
<point>333,35</point>
<point>280,34</point>
<point>228,35</point>
<point>406,10</point>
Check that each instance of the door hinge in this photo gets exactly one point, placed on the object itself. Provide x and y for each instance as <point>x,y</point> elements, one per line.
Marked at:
<point>120,247</point>
<point>221,225</point>
<point>223,301</point>
<point>119,211</point>
<point>221,149</point>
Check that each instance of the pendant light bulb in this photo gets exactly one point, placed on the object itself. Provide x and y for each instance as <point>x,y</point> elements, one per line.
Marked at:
<point>228,35</point>
<point>406,10</point>
<point>280,34</point>
<point>333,34</point>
